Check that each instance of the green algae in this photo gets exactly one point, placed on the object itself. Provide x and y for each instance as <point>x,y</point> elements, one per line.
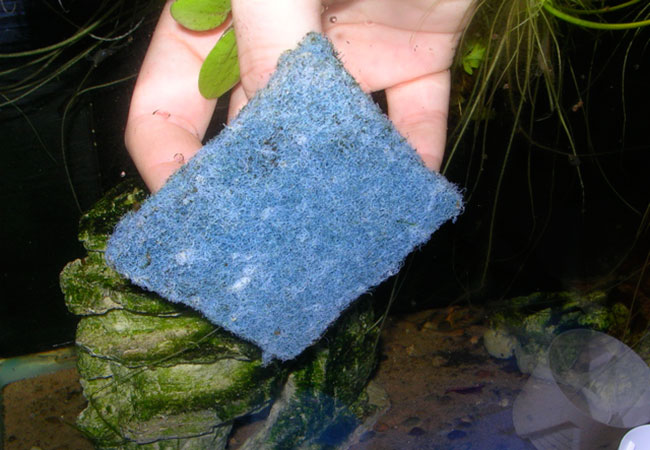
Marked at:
<point>180,401</point>
<point>97,224</point>
<point>135,340</point>
<point>91,287</point>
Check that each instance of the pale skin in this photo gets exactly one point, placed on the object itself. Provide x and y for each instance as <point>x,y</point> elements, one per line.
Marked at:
<point>404,47</point>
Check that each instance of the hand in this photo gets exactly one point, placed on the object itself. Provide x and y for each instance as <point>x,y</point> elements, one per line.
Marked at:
<point>403,46</point>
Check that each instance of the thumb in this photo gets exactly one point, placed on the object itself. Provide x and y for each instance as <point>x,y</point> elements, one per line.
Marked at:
<point>266,28</point>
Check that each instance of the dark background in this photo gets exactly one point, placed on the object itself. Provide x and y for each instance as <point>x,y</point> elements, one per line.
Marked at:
<point>549,232</point>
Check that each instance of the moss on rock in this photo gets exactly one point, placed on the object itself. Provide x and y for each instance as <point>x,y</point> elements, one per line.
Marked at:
<point>96,225</point>
<point>135,340</point>
<point>183,400</point>
<point>91,287</point>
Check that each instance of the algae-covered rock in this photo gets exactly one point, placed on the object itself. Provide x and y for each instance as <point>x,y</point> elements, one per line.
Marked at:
<point>97,224</point>
<point>179,401</point>
<point>499,343</point>
<point>326,384</point>
<point>525,326</point>
<point>91,287</point>
<point>151,378</point>
<point>157,375</point>
<point>135,340</point>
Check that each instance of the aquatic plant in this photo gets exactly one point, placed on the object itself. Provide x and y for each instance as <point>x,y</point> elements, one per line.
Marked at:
<point>220,70</point>
<point>516,58</point>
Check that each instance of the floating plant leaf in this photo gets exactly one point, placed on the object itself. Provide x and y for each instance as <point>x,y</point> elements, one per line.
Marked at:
<point>220,70</point>
<point>200,15</point>
<point>473,58</point>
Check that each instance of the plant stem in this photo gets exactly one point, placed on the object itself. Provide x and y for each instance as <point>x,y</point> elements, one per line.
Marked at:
<point>601,10</point>
<point>591,24</point>
<point>75,37</point>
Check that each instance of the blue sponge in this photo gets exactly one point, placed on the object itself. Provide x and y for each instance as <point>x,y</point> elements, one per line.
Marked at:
<point>307,200</point>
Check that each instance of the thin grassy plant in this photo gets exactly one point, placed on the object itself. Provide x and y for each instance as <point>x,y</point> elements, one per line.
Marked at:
<point>522,48</point>
<point>108,28</point>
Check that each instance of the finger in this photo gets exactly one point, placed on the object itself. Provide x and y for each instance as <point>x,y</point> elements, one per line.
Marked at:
<point>168,117</point>
<point>418,16</point>
<point>238,100</point>
<point>419,110</point>
<point>264,29</point>
<point>379,56</point>
<point>167,78</point>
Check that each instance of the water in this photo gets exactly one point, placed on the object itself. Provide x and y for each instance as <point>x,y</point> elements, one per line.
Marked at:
<point>546,237</point>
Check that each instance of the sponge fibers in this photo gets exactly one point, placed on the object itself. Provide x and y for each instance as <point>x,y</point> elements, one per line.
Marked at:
<point>307,200</point>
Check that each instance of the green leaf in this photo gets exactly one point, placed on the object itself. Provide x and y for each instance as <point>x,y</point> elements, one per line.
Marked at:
<point>220,70</point>
<point>200,15</point>
<point>473,58</point>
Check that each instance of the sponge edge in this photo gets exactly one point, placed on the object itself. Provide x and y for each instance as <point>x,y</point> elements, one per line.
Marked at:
<point>306,201</point>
